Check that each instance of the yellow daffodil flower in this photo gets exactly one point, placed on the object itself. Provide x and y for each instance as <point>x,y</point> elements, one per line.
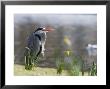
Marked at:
<point>67,41</point>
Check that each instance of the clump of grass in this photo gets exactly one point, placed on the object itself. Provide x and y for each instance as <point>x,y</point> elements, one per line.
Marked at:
<point>75,70</point>
<point>73,64</point>
<point>30,59</point>
<point>74,67</point>
<point>93,70</point>
<point>29,63</point>
<point>58,61</point>
<point>59,65</point>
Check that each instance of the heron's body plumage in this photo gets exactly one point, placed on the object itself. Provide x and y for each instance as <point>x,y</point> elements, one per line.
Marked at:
<point>36,40</point>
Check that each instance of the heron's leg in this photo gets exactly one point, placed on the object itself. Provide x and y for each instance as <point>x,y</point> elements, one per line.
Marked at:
<point>29,62</point>
<point>26,62</point>
<point>33,62</point>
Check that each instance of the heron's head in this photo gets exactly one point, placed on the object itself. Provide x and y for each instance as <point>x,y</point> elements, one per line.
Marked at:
<point>44,29</point>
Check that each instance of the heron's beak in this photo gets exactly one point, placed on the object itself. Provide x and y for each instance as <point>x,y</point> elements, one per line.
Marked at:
<point>48,29</point>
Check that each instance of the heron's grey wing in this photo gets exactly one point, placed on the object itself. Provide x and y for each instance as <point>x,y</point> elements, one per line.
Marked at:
<point>34,44</point>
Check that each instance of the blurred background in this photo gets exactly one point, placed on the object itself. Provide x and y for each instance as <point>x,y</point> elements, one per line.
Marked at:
<point>73,32</point>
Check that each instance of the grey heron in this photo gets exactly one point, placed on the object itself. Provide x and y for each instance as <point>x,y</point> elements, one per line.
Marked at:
<point>35,45</point>
<point>92,49</point>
